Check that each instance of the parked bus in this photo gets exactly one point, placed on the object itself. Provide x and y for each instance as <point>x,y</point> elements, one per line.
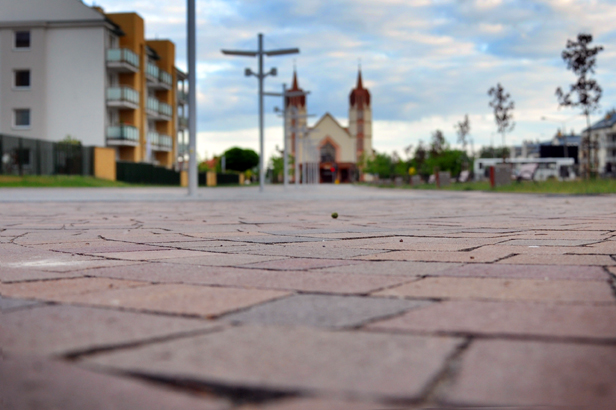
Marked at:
<point>559,168</point>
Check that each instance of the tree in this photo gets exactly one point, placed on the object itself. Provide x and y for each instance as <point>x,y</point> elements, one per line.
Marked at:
<point>502,111</point>
<point>277,165</point>
<point>380,164</point>
<point>582,59</point>
<point>463,128</point>
<point>240,160</point>
<point>438,143</point>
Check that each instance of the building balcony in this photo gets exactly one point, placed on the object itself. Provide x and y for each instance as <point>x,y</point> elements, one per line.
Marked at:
<point>122,135</point>
<point>160,142</point>
<point>122,97</point>
<point>610,145</point>
<point>165,111</point>
<point>182,97</point>
<point>165,80</point>
<point>151,107</point>
<point>182,123</point>
<point>152,72</point>
<point>122,60</point>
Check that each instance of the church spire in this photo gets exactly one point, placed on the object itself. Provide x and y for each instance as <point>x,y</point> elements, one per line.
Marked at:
<point>360,84</point>
<point>295,86</point>
<point>296,101</point>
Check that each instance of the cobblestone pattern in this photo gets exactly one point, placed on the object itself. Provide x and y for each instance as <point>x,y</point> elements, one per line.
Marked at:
<point>406,300</point>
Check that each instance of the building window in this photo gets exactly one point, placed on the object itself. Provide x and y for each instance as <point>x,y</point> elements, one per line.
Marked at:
<point>22,39</point>
<point>22,118</point>
<point>328,153</point>
<point>22,78</point>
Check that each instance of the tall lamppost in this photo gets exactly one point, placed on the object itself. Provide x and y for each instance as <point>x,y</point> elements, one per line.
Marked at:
<point>192,100</point>
<point>261,76</point>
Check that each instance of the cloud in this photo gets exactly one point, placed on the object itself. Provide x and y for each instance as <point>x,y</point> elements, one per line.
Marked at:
<point>427,63</point>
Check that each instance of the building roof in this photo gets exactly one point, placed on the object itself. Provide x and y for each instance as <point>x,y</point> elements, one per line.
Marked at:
<point>607,121</point>
<point>328,116</point>
<point>47,11</point>
<point>360,96</point>
<point>299,101</point>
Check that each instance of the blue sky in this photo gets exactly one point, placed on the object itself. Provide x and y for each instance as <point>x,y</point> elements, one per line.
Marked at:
<point>426,63</point>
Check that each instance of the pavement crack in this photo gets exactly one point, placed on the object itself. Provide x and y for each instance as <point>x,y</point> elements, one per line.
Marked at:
<point>447,376</point>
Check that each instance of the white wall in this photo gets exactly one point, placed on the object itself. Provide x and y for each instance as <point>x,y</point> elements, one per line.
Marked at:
<point>32,98</point>
<point>75,84</point>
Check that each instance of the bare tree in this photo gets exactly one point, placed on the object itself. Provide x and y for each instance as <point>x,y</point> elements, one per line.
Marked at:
<point>463,128</point>
<point>438,143</point>
<point>582,59</point>
<point>502,111</point>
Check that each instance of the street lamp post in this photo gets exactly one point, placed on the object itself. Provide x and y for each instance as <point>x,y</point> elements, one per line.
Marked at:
<point>192,101</point>
<point>261,76</point>
<point>286,94</point>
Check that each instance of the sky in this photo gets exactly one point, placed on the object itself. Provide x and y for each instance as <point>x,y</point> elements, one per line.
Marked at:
<point>426,63</point>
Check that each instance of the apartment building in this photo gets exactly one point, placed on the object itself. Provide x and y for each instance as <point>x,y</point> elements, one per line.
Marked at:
<point>70,69</point>
<point>603,141</point>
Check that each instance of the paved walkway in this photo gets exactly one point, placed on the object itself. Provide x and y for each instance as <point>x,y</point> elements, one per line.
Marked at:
<point>144,299</point>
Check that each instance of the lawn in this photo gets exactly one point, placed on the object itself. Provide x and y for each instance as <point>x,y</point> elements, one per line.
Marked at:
<point>56,181</point>
<point>594,186</point>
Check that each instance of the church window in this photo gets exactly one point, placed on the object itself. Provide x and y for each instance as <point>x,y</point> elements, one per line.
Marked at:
<point>360,114</point>
<point>328,153</point>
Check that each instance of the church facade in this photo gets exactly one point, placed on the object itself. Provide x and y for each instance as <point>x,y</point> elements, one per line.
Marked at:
<point>335,151</point>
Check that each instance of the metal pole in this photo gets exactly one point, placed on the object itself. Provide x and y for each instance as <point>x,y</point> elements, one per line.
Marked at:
<point>295,133</point>
<point>286,145</point>
<point>192,101</point>
<point>261,77</point>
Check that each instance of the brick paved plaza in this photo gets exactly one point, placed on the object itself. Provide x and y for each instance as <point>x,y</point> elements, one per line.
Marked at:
<point>144,299</point>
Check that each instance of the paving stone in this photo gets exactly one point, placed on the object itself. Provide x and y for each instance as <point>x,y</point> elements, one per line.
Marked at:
<point>111,247</point>
<point>8,304</point>
<point>578,273</point>
<point>61,329</point>
<point>306,281</point>
<point>324,310</point>
<point>601,260</point>
<point>319,249</point>
<point>485,254</point>
<point>299,264</point>
<point>177,299</point>
<point>296,359</point>
<point>505,289</point>
<point>34,383</point>
<point>53,289</point>
<point>508,374</point>
<point>9,275</point>
<point>317,404</point>
<point>393,268</point>
<point>549,242</point>
<point>508,318</point>
<point>151,255</point>
<point>223,259</point>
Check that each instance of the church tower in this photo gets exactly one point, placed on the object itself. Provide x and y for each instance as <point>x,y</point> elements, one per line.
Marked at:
<point>295,106</point>
<point>360,119</point>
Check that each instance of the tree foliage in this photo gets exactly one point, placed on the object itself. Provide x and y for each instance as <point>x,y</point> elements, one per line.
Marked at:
<point>585,92</point>
<point>463,128</point>
<point>240,160</point>
<point>503,107</point>
<point>581,59</point>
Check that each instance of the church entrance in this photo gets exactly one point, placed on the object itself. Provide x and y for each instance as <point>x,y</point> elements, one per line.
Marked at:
<point>328,173</point>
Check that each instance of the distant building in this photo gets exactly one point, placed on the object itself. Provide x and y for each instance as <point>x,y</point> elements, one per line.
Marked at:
<point>70,69</point>
<point>336,150</point>
<point>560,146</point>
<point>602,132</point>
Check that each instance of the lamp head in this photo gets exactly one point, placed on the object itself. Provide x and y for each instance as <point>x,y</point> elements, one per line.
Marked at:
<point>248,72</point>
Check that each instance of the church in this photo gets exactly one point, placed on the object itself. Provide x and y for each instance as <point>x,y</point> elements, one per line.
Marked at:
<point>335,151</point>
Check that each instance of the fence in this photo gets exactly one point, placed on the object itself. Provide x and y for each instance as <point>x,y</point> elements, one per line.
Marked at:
<point>142,173</point>
<point>26,156</point>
